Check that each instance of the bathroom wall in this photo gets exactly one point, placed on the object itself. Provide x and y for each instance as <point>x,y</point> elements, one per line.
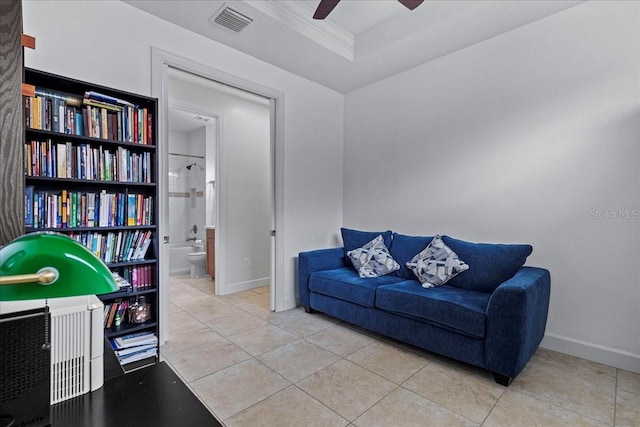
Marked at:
<point>210,172</point>
<point>196,181</point>
<point>186,195</point>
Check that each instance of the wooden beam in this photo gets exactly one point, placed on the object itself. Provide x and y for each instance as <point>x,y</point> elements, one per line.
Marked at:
<point>28,41</point>
<point>12,129</point>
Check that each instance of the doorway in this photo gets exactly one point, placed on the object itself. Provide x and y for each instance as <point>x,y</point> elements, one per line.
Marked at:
<point>236,253</point>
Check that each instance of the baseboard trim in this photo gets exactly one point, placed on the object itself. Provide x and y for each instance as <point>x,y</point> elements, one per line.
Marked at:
<point>232,288</point>
<point>594,352</point>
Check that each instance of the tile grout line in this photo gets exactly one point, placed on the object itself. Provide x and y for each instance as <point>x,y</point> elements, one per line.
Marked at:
<point>188,384</point>
<point>267,397</point>
<point>615,397</point>
<point>563,408</point>
<point>430,399</point>
<point>245,305</point>
<point>305,392</point>
<point>493,407</point>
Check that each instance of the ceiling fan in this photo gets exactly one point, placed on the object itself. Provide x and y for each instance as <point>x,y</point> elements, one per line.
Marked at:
<point>326,6</point>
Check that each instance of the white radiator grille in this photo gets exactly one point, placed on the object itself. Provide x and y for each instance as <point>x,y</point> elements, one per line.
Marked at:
<point>70,354</point>
<point>77,340</point>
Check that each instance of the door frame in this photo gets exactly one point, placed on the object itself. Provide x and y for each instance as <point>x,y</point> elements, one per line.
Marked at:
<point>161,60</point>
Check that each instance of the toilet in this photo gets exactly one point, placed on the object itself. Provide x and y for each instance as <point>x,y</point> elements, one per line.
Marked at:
<point>198,259</point>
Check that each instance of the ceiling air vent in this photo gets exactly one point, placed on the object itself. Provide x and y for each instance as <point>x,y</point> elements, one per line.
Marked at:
<point>231,18</point>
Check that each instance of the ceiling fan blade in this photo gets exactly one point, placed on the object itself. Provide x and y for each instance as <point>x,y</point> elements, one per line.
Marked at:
<point>324,8</point>
<point>411,4</point>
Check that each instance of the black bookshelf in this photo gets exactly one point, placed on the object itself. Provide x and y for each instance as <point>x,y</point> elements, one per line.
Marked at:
<point>100,147</point>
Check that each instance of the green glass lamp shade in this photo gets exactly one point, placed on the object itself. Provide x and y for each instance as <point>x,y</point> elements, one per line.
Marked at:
<point>76,270</point>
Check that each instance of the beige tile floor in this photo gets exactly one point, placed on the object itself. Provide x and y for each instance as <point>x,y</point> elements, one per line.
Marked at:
<point>253,367</point>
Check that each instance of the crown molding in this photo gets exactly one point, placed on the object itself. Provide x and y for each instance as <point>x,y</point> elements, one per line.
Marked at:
<point>298,17</point>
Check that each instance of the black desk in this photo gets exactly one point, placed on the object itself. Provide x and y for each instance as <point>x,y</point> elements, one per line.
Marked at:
<point>153,396</point>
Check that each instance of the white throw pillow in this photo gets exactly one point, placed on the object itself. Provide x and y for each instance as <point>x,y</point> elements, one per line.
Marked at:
<point>373,259</point>
<point>436,264</point>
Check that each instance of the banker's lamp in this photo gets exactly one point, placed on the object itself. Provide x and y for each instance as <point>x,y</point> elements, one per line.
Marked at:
<point>38,266</point>
<point>50,265</point>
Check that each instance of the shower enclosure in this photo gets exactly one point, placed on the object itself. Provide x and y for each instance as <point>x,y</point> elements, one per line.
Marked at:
<point>187,205</point>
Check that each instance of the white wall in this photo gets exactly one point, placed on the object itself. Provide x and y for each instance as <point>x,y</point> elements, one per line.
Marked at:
<point>210,168</point>
<point>196,178</point>
<point>184,210</point>
<point>72,41</point>
<point>527,137</point>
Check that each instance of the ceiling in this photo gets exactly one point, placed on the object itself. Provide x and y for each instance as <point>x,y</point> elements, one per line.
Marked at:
<point>362,41</point>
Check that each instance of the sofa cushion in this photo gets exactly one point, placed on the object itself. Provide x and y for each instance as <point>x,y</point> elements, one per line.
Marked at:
<point>436,264</point>
<point>460,310</point>
<point>489,264</point>
<point>403,248</point>
<point>373,259</point>
<point>354,239</point>
<point>344,283</point>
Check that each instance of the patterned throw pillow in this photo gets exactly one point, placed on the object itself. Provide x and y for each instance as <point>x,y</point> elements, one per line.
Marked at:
<point>436,264</point>
<point>373,259</point>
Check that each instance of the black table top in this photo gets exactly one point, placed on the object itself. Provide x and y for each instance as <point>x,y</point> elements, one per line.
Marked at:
<point>153,396</point>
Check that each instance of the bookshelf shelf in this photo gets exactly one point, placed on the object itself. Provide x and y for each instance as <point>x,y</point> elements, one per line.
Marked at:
<point>128,328</point>
<point>76,182</point>
<point>126,294</point>
<point>105,229</point>
<point>81,139</point>
<point>90,165</point>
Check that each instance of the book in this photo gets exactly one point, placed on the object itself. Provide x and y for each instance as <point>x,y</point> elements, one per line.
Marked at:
<point>65,98</point>
<point>105,315</point>
<point>135,339</point>
<point>131,210</point>
<point>144,246</point>
<point>61,154</point>
<point>100,97</point>
<point>104,209</point>
<point>122,283</point>
<point>121,313</point>
<point>65,206</point>
<point>134,357</point>
<point>132,350</point>
<point>91,209</point>
<point>149,128</point>
<point>73,218</point>
<point>112,313</point>
<point>28,205</point>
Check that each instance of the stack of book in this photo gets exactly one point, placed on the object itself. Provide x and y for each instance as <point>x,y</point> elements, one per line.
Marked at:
<point>133,347</point>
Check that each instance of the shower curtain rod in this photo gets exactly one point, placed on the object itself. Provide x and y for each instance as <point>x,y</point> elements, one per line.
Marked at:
<point>187,155</point>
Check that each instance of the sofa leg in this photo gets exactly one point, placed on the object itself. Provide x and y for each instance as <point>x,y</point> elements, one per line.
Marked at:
<point>502,379</point>
<point>308,309</point>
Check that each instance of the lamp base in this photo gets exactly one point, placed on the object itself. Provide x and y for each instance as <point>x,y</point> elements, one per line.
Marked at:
<point>25,357</point>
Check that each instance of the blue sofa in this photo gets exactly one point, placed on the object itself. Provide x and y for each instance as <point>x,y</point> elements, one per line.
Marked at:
<point>493,315</point>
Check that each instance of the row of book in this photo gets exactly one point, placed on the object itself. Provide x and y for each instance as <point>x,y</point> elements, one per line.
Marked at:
<point>115,313</point>
<point>95,115</point>
<point>83,161</point>
<point>134,347</point>
<point>70,209</point>
<point>135,278</point>
<point>123,246</point>
<point>134,310</point>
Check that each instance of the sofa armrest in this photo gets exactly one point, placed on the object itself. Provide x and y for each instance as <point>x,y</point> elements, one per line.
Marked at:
<point>516,320</point>
<point>317,260</point>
